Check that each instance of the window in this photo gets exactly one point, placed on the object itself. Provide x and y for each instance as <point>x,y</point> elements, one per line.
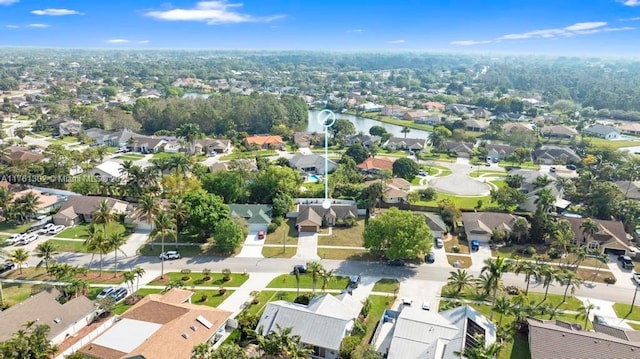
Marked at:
<point>594,245</point>
<point>319,351</point>
<point>474,333</point>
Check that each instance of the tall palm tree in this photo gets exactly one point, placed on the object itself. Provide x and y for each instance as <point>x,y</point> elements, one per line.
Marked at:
<point>189,132</point>
<point>47,251</point>
<point>92,240</point>
<point>570,280</point>
<point>78,286</point>
<point>581,254</point>
<point>503,306</point>
<point>520,227</point>
<point>314,268</point>
<point>147,208</point>
<point>545,200</point>
<point>139,272</point>
<point>129,278</point>
<point>19,257</point>
<point>584,311</point>
<point>480,352</point>
<point>589,228</point>
<point>326,276</point>
<point>181,164</point>
<point>460,279</point>
<point>548,275</point>
<point>116,240</point>
<point>437,140</point>
<point>405,130</point>
<point>495,268</point>
<point>179,211</point>
<point>563,238</point>
<point>530,270</point>
<point>163,228</point>
<point>103,215</point>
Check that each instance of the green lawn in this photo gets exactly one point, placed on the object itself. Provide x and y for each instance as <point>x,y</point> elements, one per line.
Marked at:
<point>613,144</point>
<point>460,201</point>
<point>350,254</point>
<point>635,326</point>
<point>15,293</point>
<point>462,261</point>
<point>80,230</point>
<point>386,285</point>
<point>130,157</point>
<point>267,296</point>
<point>250,154</point>
<point>210,297</point>
<point>433,170</point>
<point>197,279</point>
<point>394,121</point>
<point>476,174</point>
<point>289,281</point>
<point>344,236</point>
<point>69,246</point>
<point>10,228</point>
<point>378,306</point>
<point>622,311</point>
<point>455,241</point>
<point>287,230</point>
<point>279,252</point>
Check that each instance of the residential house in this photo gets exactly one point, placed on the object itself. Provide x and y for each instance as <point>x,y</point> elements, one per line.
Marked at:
<point>416,115</point>
<point>394,111</point>
<point>321,325</point>
<point>172,146</point>
<point>364,140</point>
<point>79,209</point>
<point>64,320</point>
<point>436,224</point>
<point>310,217</point>
<point>108,171</point>
<point>121,138</point>
<point>601,131</point>
<point>499,151</point>
<point>71,127</point>
<point>307,139</point>
<point>461,149</point>
<point>532,193</point>
<point>457,108</point>
<point>555,339</point>
<point>432,120</point>
<point>480,225</point>
<point>257,216</point>
<point>245,164</point>
<point>146,144</point>
<point>395,191</point>
<point>434,106</point>
<point>480,113</point>
<point>21,154</point>
<point>511,116</point>
<point>312,164</point>
<point>510,127</point>
<point>476,125</point>
<point>45,202</point>
<point>550,155</point>
<point>99,135</point>
<point>264,141</point>
<point>164,326</point>
<point>630,128</point>
<point>213,146</point>
<point>611,237</point>
<point>371,107</point>
<point>400,143</point>
<point>413,333</point>
<point>558,131</point>
<point>631,190</point>
<point>377,164</point>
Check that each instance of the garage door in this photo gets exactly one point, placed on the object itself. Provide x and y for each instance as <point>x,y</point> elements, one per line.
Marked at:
<point>257,227</point>
<point>615,251</point>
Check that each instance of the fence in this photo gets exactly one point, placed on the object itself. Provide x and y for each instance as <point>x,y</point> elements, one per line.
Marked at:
<point>88,338</point>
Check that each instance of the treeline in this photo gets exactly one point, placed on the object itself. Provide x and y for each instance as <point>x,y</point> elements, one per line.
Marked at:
<point>222,113</point>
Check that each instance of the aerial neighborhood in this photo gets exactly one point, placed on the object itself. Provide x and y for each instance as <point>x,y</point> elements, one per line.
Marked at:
<point>212,212</point>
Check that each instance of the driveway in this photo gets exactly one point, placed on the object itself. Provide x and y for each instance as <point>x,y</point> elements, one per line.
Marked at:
<point>307,246</point>
<point>441,259</point>
<point>604,311</point>
<point>365,288</point>
<point>623,276</point>
<point>419,291</point>
<point>480,256</point>
<point>252,247</point>
<point>459,182</point>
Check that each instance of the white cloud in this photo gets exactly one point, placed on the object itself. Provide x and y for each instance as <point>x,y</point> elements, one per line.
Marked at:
<point>13,27</point>
<point>40,26</point>
<point>354,31</point>
<point>396,42</point>
<point>143,41</point>
<point>630,2</point>
<point>56,12</point>
<point>117,41</point>
<point>580,28</point>
<point>470,42</point>
<point>211,12</point>
<point>8,2</point>
<point>630,19</point>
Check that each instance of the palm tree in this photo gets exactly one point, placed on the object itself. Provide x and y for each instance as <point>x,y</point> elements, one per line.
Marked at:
<point>45,250</point>
<point>147,208</point>
<point>548,275</point>
<point>189,132</point>
<point>179,211</point>
<point>114,242</point>
<point>480,352</point>
<point>129,278</point>
<point>459,279</point>
<point>181,164</point>
<point>201,351</point>
<point>520,227</point>
<point>164,227</point>
<point>545,200</point>
<point>495,268</point>
<point>139,272</point>
<point>584,311</point>
<point>563,238</point>
<point>103,215</point>
<point>570,280</point>
<point>78,286</point>
<point>550,310</point>
<point>589,228</point>
<point>405,130</point>
<point>326,276</point>
<point>19,257</point>
<point>530,270</point>
<point>503,306</point>
<point>437,140</point>
<point>314,268</point>
<point>581,254</point>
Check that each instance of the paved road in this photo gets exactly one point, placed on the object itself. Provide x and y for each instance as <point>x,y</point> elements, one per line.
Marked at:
<point>459,182</point>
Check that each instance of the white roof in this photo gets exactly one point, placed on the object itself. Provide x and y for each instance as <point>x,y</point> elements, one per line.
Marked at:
<point>111,168</point>
<point>127,334</point>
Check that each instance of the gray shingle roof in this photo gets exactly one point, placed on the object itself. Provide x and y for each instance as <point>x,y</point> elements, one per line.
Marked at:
<point>600,130</point>
<point>253,213</point>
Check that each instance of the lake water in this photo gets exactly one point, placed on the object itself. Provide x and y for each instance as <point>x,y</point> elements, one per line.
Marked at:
<point>363,125</point>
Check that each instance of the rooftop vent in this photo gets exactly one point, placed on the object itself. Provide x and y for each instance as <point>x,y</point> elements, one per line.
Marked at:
<point>57,320</point>
<point>185,335</point>
<point>193,327</point>
<point>202,320</point>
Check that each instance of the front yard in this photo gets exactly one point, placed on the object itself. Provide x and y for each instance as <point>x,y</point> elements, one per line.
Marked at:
<point>452,241</point>
<point>130,157</point>
<point>306,282</point>
<point>459,261</point>
<point>80,230</point>
<point>192,250</point>
<point>287,230</point>
<point>279,252</point>
<point>343,236</point>
<point>350,254</point>
<point>69,246</point>
<point>198,279</point>
<point>387,286</point>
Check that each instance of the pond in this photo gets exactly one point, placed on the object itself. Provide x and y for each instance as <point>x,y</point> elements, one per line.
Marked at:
<point>363,125</point>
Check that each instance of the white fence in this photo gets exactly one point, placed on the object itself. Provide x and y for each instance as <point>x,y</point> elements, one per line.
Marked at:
<point>88,338</point>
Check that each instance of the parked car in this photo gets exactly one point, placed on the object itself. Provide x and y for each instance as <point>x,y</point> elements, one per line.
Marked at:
<point>430,258</point>
<point>46,228</point>
<point>571,167</point>
<point>119,294</point>
<point>636,278</point>
<point>105,292</point>
<point>475,245</point>
<point>407,301</point>
<point>426,306</point>
<point>28,238</point>
<point>261,235</point>
<point>422,173</point>
<point>56,229</point>
<point>354,281</point>
<point>169,255</point>
<point>14,238</point>
<point>396,263</point>
<point>301,269</point>
<point>439,243</point>
<point>626,262</point>
<point>7,267</point>
<point>552,169</point>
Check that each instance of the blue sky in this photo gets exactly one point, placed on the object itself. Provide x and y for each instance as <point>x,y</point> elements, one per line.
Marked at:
<point>610,27</point>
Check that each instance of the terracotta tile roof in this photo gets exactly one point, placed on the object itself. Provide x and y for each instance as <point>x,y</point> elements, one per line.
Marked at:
<point>264,140</point>
<point>43,200</point>
<point>380,163</point>
<point>22,154</point>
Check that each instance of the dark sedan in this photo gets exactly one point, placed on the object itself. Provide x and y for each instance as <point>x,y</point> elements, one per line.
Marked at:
<point>396,263</point>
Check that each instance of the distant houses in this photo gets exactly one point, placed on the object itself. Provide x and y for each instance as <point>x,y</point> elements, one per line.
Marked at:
<point>601,131</point>
<point>400,143</point>
<point>264,141</point>
<point>558,131</point>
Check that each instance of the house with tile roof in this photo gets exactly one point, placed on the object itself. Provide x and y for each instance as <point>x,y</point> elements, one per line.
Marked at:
<point>517,126</point>
<point>630,128</point>
<point>394,191</point>
<point>479,226</point>
<point>499,151</point>
<point>321,325</point>
<point>64,320</point>
<point>21,154</point>
<point>461,149</point>
<point>213,146</point>
<point>108,171</point>
<point>475,125</point>
<point>555,339</point>
<point>311,217</point>
<point>376,164</point>
<point>164,326</point>
<point>258,216</point>
<point>264,141</point>
<point>312,164</point>
<point>550,155</point>
<point>79,209</point>
<point>558,131</point>
<point>610,238</point>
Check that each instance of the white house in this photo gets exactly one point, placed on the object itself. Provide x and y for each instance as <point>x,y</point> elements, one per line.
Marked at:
<point>601,131</point>
<point>108,171</point>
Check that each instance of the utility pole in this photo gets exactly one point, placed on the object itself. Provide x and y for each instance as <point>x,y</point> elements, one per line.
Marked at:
<point>634,299</point>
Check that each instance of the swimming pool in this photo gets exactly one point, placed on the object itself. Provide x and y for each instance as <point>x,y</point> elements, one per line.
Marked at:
<point>313,178</point>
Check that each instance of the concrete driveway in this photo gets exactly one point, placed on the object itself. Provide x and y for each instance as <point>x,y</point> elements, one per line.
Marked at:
<point>307,246</point>
<point>623,276</point>
<point>480,256</point>
<point>419,291</point>
<point>252,247</point>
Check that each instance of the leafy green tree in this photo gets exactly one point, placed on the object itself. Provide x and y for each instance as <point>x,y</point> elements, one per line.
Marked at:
<point>377,131</point>
<point>85,184</point>
<point>342,128</point>
<point>507,198</point>
<point>348,345</point>
<point>227,351</point>
<point>31,342</point>
<point>357,152</point>
<point>405,168</point>
<point>204,212</point>
<point>514,181</point>
<point>227,236</point>
<point>282,204</point>
<point>398,234</point>
<point>227,184</point>
<point>109,92</point>
<point>272,181</point>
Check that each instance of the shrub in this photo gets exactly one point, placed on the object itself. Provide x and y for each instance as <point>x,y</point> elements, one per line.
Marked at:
<point>359,328</point>
<point>277,221</point>
<point>206,274</point>
<point>226,274</point>
<point>428,194</point>
<point>350,222</point>
<point>348,345</point>
<point>222,290</point>
<point>512,290</point>
<point>553,253</point>
<point>272,227</point>
<point>530,250</point>
<point>185,275</point>
<point>610,280</point>
<point>303,299</point>
<point>203,298</point>
<point>455,249</point>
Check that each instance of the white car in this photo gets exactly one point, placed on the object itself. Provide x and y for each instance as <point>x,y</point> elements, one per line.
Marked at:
<point>14,238</point>
<point>56,229</point>
<point>105,292</point>
<point>407,301</point>
<point>170,255</point>
<point>46,228</point>
<point>28,238</point>
<point>426,306</point>
<point>636,278</point>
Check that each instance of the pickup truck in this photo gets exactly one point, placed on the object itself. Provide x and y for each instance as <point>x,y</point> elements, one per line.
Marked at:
<point>636,278</point>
